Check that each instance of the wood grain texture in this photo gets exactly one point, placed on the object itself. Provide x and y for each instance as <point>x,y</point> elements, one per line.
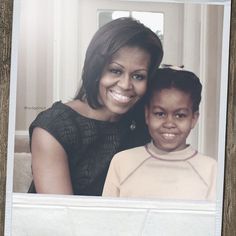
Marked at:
<point>6,11</point>
<point>229,209</point>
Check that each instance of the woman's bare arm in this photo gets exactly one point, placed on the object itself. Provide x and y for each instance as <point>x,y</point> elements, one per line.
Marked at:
<point>49,164</point>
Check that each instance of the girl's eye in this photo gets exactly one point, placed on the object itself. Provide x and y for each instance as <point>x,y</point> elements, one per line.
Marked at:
<point>138,77</point>
<point>180,115</point>
<point>159,114</point>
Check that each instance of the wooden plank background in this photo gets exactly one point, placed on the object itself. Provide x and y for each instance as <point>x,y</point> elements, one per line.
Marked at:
<point>6,11</point>
<point>229,213</point>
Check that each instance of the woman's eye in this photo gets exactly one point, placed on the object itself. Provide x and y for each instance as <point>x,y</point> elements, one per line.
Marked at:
<point>138,77</point>
<point>115,71</point>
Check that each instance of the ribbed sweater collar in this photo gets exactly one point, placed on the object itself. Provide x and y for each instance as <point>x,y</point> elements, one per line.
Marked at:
<point>181,155</point>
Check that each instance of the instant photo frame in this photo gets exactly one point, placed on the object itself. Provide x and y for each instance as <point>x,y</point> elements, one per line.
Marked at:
<point>8,95</point>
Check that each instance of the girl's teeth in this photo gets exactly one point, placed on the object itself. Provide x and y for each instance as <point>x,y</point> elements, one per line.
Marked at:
<point>169,136</point>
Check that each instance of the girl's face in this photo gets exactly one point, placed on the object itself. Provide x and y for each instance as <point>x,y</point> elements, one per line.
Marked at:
<point>170,119</point>
<point>123,81</point>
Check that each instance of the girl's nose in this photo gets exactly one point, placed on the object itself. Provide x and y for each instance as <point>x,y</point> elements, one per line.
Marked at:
<point>125,82</point>
<point>169,122</point>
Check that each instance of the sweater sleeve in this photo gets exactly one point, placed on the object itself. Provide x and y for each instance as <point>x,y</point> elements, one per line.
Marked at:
<point>211,195</point>
<point>112,183</point>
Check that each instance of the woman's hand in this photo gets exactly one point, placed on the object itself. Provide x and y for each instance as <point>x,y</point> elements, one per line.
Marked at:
<point>49,164</point>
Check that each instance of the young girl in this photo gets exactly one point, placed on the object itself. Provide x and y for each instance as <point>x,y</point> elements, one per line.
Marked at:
<point>167,167</point>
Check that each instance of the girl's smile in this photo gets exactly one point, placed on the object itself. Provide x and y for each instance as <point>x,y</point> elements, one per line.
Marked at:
<point>170,119</point>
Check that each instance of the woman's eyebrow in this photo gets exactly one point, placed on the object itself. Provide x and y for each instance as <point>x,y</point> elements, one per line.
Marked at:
<point>114,62</point>
<point>118,64</point>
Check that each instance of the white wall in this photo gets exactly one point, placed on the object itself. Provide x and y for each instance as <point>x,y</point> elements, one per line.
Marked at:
<point>35,63</point>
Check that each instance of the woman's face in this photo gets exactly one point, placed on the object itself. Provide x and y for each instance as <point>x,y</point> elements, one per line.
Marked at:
<point>123,81</point>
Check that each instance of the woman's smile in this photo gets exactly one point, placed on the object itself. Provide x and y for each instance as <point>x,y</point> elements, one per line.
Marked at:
<point>124,81</point>
<point>119,96</point>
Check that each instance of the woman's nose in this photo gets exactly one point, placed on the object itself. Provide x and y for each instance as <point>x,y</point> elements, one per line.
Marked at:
<point>125,82</point>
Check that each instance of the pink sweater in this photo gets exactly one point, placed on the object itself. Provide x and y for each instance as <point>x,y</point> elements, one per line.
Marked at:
<point>143,172</point>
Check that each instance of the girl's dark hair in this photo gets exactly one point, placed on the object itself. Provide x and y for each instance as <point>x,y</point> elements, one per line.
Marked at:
<point>107,41</point>
<point>186,81</point>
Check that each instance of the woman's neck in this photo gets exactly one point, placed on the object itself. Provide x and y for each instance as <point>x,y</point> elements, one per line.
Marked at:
<point>98,114</point>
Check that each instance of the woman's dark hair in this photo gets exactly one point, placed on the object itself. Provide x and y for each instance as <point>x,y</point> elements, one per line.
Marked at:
<point>186,81</point>
<point>107,41</point>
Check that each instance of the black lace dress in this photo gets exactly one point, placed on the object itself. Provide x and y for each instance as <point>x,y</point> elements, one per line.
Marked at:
<point>90,144</point>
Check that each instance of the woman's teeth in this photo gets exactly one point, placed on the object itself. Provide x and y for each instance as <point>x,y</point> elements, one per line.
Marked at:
<point>120,97</point>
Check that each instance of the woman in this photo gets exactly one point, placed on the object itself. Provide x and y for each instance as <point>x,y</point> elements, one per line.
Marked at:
<point>72,144</point>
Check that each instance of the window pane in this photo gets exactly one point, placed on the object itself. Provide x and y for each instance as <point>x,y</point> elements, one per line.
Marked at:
<point>106,16</point>
<point>153,20</point>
